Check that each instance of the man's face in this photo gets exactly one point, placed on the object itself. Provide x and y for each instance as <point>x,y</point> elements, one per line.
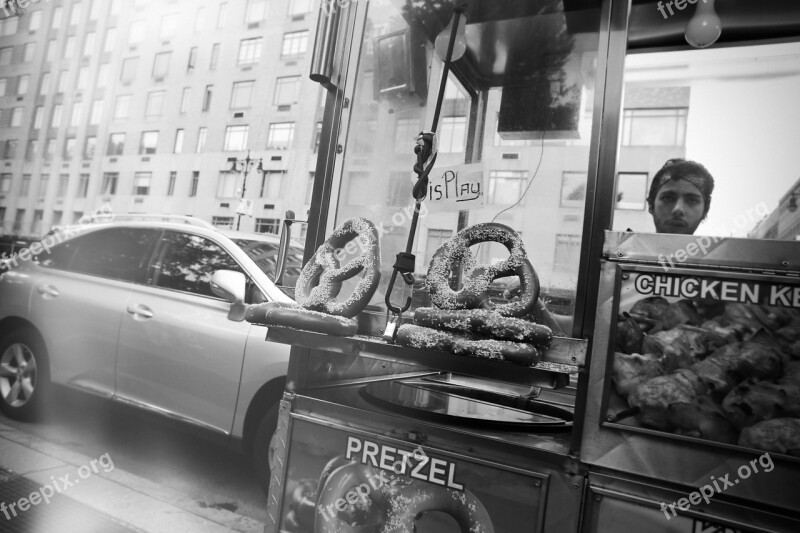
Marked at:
<point>678,208</point>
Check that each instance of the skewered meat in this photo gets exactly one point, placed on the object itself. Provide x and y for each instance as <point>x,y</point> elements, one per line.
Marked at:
<point>629,335</point>
<point>703,418</point>
<point>753,401</point>
<point>630,370</point>
<point>652,307</point>
<point>732,363</point>
<point>682,346</point>
<point>780,435</point>
<point>709,308</point>
<point>716,375</point>
<point>731,332</point>
<point>655,395</point>
<point>791,373</point>
<point>680,312</point>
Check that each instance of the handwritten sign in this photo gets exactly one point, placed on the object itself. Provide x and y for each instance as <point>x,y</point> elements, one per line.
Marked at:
<point>455,188</point>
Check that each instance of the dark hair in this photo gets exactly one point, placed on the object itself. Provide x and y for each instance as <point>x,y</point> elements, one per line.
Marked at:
<point>682,169</point>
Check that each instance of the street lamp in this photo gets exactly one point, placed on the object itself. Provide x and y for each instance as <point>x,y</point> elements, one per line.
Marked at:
<point>244,165</point>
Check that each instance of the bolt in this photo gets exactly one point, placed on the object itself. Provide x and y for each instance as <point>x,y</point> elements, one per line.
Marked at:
<point>785,263</point>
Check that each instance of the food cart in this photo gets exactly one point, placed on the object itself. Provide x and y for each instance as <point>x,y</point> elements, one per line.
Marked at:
<point>639,414</point>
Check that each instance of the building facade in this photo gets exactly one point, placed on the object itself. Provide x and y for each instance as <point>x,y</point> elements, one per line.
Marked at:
<point>146,106</point>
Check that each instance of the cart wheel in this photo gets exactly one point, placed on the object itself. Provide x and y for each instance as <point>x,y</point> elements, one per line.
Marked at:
<point>23,374</point>
<point>264,443</point>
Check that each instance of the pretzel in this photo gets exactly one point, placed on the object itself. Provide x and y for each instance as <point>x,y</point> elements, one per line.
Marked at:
<point>415,499</point>
<point>321,278</point>
<point>475,291</point>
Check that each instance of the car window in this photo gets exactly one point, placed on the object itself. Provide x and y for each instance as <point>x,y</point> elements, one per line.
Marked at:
<point>186,263</point>
<point>117,253</point>
<point>265,255</point>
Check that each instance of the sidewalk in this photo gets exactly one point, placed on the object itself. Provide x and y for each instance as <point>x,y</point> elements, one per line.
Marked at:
<point>102,493</point>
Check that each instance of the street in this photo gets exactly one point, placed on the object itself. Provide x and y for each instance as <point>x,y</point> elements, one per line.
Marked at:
<point>151,447</point>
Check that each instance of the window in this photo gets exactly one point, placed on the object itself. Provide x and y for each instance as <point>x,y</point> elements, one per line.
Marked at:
<point>69,47</point>
<point>148,143</point>
<point>207,97</point>
<point>200,19</point>
<point>249,51</point>
<point>187,263</point>
<point>573,189</point>
<point>10,24</point>
<point>50,52</point>
<point>90,147</point>
<point>122,107</point>
<point>169,26</point>
<point>286,90</point>
<point>116,144</point>
<point>49,149</point>
<point>161,65</point>
<point>94,11</point>
<point>62,81</point>
<point>117,253</point>
<point>201,139</point>
<point>436,238</point>
<point>129,66</point>
<point>102,75</point>
<point>97,113</point>
<point>568,251</point>
<point>83,186</point>
<point>173,176</point>
<point>16,117</point>
<point>242,94</point>
<point>10,149</point>
<point>55,118</point>
<point>654,127</point>
<point>136,32</point>
<point>83,78</point>
<point>294,43</point>
<point>214,56</point>
<point>58,14</point>
<point>18,219</point>
<point>31,150</point>
<point>25,185</point>
<point>110,183</point>
<point>255,11</point>
<point>268,225</point>
<point>44,181</point>
<point>5,183</point>
<point>506,186</point>
<point>36,224</point>
<point>45,84</point>
<point>271,184</point>
<point>141,183</point>
<point>35,21</point>
<point>179,134</point>
<point>88,44</point>
<point>299,7</point>
<point>75,118</point>
<point>222,222</point>
<point>280,135</point>
<point>400,189</point>
<point>235,138</point>
<point>155,104</point>
<point>69,148</point>
<point>75,14</point>
<point>28,50</point>
<point>194,184</point>
<point>631,190</point>
<point>3,86</point>
<point>226,184</point>
<point>63,185</point>
<point>406,130</point>
<point>222,15</point>
<point>452,134</point>
<point>110,41</point>
<point>192,59</point>
<point>185,94</point>
<point>317,136</point>
<point>5,55</point>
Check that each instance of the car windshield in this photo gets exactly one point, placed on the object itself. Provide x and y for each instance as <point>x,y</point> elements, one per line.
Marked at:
<point>265,255</point>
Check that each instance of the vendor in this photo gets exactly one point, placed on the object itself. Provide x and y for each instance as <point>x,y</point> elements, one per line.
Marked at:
<point>680,196</point>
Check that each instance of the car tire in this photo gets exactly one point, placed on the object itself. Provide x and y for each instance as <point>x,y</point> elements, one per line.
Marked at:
<point>24,374</point>
<point>264,446</point>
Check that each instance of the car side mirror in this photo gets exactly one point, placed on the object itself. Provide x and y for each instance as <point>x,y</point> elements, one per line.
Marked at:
<point>230,286</point>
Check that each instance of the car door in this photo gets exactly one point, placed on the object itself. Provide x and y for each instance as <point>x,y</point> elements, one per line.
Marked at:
<point>79,297</point>
<point>178,352</point>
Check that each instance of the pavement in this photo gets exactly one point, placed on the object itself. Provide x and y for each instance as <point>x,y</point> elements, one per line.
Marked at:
<point>40,479</point>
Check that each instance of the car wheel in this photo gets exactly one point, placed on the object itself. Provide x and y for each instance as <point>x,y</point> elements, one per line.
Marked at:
<point>23,374</point>
<point>264,444</point>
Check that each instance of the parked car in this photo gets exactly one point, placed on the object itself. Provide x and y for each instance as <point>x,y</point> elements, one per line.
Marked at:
<point>127,310</point>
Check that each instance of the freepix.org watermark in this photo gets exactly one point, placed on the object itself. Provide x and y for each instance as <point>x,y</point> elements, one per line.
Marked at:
<point>680,5</point>
<point>706,492</point>
<point>702,244</point>
<point>57,485</point>
<point>14,7</point>
<point>51,239</point>
<point>399,218</point>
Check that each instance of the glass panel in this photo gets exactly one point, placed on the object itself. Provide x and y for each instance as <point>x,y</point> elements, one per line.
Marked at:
<point>709,106</point>
<point>525,114</point>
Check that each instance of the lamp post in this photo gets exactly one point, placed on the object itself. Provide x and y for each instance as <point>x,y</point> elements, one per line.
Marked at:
<point>244,165</point>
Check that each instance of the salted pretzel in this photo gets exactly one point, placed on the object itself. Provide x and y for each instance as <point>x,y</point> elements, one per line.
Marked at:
<point>321,278</point>
<point>475,291</point>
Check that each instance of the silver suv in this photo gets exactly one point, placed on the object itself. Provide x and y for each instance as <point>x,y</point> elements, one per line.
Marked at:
<point>149,313</point>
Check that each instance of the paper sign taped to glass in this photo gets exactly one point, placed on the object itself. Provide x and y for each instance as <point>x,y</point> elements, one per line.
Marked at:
<point>245,207</point>
<point>456,188</point>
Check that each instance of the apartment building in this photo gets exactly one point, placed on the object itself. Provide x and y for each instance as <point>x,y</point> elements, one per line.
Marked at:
<point>147,106</point>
